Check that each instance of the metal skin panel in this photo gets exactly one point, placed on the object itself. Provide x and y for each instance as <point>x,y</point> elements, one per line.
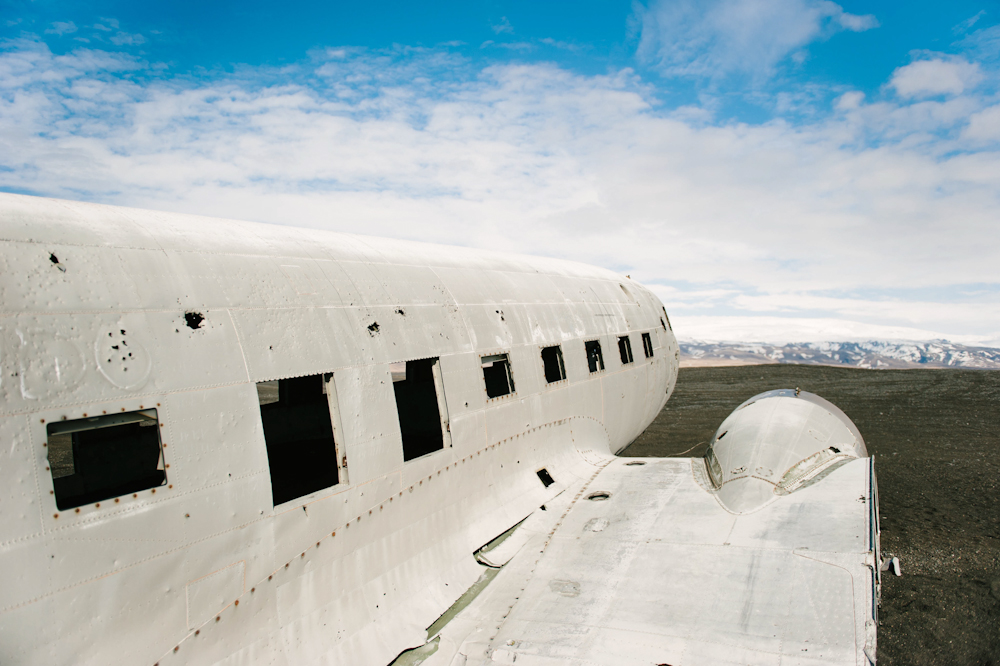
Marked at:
<point>205,570</point>
<point>654,574</point>
<point>32,220</point>
<point>372,440</point>
<point>68,359</point>
<point>466,286</point>
<point>20,515</point>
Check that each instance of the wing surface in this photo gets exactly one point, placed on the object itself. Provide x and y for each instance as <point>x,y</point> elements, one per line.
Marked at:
<point>660,572</point>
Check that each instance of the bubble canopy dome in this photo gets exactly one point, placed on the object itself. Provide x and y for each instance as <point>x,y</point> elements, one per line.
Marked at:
<point>777,442</point>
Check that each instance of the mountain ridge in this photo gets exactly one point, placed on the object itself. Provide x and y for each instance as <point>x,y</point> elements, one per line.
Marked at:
<point>870,354</point>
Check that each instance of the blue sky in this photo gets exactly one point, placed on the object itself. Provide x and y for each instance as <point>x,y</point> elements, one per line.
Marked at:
<point>757,159</point>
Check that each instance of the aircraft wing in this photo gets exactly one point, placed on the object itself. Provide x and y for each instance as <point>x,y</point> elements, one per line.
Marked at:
<point>639,561</point>
<point>661,573</point>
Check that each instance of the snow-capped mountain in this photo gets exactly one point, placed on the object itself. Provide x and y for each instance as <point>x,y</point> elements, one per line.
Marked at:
<point>870,354</point>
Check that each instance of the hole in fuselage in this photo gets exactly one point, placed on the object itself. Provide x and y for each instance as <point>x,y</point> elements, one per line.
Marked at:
<point>599,496</point>
<point>193,319</point>
<point>634,463</point>
<point>545,477</point>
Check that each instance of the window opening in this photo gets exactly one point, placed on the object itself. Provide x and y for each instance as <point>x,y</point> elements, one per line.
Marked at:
<point>417,406</point>
<point>298,432</point>
<point>552,361</point>
<point>647,345</point>
<point>545,477</point>
<point>625,349</point>
<point>595,359</point>
<point>99,458</point>
<point>497,374</point>
<point>668,320</point>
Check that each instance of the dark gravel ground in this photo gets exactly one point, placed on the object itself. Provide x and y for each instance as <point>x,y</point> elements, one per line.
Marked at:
<point>935,435</point>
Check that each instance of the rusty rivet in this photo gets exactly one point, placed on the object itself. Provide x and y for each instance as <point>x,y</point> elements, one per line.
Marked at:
<point>52,492</point>
<point>170,486</point>
<point>157,404</point>
<point>187,515</point>
<point>77,509</point>
<point>269,577</point>
<point>123,409</point>
<point>97,506</point>
<point>302,555</point>
<point>333,534</point>
<point>55,515</point>
<point>217,618</point>
<point>176,648</point>
<point>286,565</point>
<point>43,420</point>
<point>140,407</point>
<point>317,544</point>
<point>45,443</point>
<point>252,590</point>
<point>167,465</point>
<point>46,468</point>
<point>236,603</point>
<point>104,411</point>
<point>117,500</point>
<point>197,631</point>
<point>153,491</point>
<point>85,413</point>
<point>135,494</point>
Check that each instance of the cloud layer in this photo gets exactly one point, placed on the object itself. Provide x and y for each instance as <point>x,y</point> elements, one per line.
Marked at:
<point>717,38</point>
<point>882,212</point>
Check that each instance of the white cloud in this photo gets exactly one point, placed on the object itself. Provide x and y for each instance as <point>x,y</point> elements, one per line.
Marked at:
<point>61,28</point>
<point>969,22</point>
<point>503,26</point>
<point>127,39</point>
<point>850,100</point>
<point>938,76</point>
<point>721,37</point>
<point>984,126</point>
<point>768,219</point>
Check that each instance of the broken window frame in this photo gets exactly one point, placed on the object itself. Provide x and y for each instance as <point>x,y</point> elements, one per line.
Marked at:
<point>668,320</point>
<point>647,345</point>
<point>398,372</point>
<point>492,359</point>
<point>560,361</point>
<point>599,365</point>
<point>329,388</point>
<point>625,349</point>
<point>149,480</point>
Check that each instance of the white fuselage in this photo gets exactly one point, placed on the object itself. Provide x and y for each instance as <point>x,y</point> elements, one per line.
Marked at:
<point>205,563</point>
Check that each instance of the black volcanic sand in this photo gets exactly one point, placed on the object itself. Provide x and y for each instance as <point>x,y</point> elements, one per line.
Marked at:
<point>934,434</point>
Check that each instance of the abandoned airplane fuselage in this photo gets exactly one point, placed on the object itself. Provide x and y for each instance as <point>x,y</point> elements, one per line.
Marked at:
<point>226,442</point>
